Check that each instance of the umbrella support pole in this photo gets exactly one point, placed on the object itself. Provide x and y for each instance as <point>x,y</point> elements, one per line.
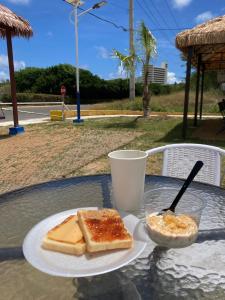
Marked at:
<point>187,91</point>
<point>16,129</point>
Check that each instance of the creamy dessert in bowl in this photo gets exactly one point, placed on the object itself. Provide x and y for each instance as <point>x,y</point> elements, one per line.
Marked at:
<point>171,230</point>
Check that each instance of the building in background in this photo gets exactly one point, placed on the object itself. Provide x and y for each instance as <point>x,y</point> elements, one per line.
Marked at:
<point>157,74</point>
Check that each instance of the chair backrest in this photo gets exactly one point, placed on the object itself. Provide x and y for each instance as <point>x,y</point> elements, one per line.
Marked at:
<point>178,160</point>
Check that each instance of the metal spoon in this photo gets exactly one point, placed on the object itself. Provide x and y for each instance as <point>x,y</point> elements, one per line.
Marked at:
<point>198,165</point>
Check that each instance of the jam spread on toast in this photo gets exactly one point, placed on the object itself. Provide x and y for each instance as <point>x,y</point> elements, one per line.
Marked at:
<point>107,229</point>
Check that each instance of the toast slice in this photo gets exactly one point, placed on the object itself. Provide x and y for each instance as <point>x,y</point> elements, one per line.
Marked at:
<point>75,249</point>
<point>65,237</point>
<point>104,230</point>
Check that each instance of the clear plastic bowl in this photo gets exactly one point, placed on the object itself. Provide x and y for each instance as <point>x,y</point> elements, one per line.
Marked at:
<point>190,205</point>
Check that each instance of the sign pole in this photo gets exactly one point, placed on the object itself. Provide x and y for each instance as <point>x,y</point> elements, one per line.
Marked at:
<point>63,94</point>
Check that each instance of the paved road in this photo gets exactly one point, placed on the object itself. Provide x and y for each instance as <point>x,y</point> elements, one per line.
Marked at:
<point>38,114</point>
<point>35,112</point>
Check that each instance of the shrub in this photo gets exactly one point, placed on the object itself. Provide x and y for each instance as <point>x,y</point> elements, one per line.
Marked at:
<point>92,88</point>
<point>31,97</point>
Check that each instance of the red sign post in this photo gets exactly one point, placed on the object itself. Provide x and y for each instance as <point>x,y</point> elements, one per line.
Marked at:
<point>63,94</point>
<point>63,90</point>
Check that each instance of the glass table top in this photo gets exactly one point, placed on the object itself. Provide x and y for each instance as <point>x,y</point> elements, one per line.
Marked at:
<point>195,272</point>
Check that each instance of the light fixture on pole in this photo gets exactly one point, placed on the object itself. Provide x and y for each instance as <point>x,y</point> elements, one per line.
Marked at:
<point>76,4</point>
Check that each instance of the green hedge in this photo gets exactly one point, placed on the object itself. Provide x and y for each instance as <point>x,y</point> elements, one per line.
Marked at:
<point>92,88</point>
<point>30,97</point>
<point>115,89</point>
<point>43,85</point>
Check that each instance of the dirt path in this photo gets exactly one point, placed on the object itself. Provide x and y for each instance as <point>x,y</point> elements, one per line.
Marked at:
<point>46,152</point>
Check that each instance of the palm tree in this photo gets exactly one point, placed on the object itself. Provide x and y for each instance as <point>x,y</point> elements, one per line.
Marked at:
<point>146,49</point>
<point>147,44</point>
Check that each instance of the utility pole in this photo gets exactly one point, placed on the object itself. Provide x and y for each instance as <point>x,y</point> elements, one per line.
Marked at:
<point>131,31</point>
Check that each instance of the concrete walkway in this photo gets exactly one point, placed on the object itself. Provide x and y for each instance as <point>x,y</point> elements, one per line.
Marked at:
<point>153,114</point>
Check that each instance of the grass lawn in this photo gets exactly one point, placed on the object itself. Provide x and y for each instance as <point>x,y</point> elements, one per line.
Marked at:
<point>58,150</point>
<point>166,103</point>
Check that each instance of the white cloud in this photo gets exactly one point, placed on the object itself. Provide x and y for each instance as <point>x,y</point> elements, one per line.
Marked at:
<point>18,65</point>
<point>181,3</point>
<point>19,1</point>
<point>4,74</point>
<point>203,17</point>
<point>120,73</point>
<point>102,52</point>
<point>84,67</point>
<point>171,78</point>
<point>3,61</point>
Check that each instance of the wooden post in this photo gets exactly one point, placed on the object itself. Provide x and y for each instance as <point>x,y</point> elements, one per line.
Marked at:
<point>12,77</point>
<point>202,92</point>
<point>197,90</point>
<point>187,90</point>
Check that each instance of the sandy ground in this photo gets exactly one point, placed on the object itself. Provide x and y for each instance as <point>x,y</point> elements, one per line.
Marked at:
<point>51,151</point>
<point>46,152</point>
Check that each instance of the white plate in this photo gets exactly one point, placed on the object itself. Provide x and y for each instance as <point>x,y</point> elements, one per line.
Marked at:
<point>59,264</point>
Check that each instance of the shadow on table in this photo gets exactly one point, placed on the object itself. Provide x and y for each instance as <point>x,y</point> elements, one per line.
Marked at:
<point>211,235</point>
<point>159,278</point>
<point>11,253</point>
<point>111,286</point>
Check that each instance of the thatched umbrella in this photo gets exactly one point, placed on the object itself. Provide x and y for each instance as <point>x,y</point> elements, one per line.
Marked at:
<point>13,25</point>
<point>212,31</point>
<point>204,47</point>
<point>207,37</point>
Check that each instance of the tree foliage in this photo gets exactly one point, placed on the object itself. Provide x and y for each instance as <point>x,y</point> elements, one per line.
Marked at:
<point>210,81</point>
<point>32,82</point>
<point>49,80</point>
<point>145,49</point>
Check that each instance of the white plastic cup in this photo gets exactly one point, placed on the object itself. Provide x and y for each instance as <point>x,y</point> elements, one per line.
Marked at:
<point>128,178</point>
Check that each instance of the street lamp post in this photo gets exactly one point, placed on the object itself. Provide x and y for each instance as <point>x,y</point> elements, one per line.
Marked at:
<point>76,4</point>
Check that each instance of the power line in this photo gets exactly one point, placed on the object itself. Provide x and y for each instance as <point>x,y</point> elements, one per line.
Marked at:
<point>155,21</point>
<point>148,13</point>
<point>171,13</point>
<point>126,29</point>
<point>153,18</point>
<point>105,20</point>
<point>160,17</point>
<point>159,13</point>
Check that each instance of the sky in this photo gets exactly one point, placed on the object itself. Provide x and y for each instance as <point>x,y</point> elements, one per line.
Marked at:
<point>54,38</point>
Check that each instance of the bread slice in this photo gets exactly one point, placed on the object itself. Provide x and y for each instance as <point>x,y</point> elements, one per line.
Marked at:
<point>75,249</point>
<point>103,230</point>
<point>65,237</point>
<point>68,231</point>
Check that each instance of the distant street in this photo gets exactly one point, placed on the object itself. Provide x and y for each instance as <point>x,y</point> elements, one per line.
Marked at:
<point>35,112</point>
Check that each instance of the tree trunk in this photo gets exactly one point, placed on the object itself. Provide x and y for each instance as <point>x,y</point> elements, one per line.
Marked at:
<point>146,94</point>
